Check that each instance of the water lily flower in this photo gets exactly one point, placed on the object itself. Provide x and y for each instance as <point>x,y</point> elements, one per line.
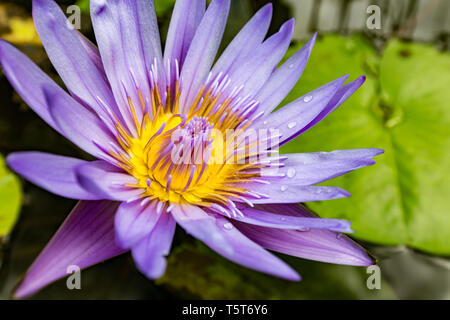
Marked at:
<point>154,122</point>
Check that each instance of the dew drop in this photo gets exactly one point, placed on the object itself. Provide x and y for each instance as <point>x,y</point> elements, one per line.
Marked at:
<point>228,226</point>
<point>338,236</point>
<point>291,172</point>
<point>292,124</point>
<point>307,98</point>
<point>283,188</point>
<point>304,229</point>
<point>265,122</point>
<point>291,66</point>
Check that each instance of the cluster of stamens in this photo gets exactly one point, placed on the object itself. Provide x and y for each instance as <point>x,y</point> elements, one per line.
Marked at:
<point>182,154</point>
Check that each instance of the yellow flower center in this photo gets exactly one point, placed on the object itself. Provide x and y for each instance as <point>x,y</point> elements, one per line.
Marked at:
<point>187,159</point>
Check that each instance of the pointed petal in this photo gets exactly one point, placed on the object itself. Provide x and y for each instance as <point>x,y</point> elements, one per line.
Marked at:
<point>276,193</point>
<point>339,98</point>
<point>315,244</point>
<point>247,40</point>
<point>134,221</point>
<point>303,169</point>
<point>85,238</point>
<point>259,66</point>
<point>107,181</point>
<point>186,17</point>
<point>284,79</point>
<point>291,119</point>
<point>128,39</point>
<point>78,124</point>
<point>28,80</point>
<point>281,221</point>
<point>202,51</point>
<point>51,172</point>
<point>220,235</point>
<point>69,57</point>
<point>149,254</point>
<point>93,53</point>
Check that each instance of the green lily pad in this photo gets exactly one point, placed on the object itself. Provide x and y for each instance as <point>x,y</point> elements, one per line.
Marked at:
<point>403,109</point>
<point>84,6</point>
<point>194,271</point>
<point>10,199</point>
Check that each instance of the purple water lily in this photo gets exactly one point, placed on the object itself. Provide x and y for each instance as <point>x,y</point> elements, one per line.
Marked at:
<point>145,115</point>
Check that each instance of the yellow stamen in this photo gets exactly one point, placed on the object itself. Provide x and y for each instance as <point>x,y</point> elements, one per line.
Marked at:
<point>149,156</point>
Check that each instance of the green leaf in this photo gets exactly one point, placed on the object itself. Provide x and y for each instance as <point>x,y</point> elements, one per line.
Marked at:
<point>403,109</point>
<point>194,271</point>
<point>162,7</point>
<point>415,82</point>
<point>84,5</point>
<point>10,199</point>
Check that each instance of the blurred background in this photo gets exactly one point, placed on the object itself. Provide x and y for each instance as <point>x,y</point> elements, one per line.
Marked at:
<point>400,207</point>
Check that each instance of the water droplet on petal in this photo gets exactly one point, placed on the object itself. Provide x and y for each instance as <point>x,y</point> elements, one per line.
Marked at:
<point>307,98</point>
<point>291,172</point>
<point>292,124</point>
<point>291,66</point>
<point>228,226</point>
<point>283,188</point>
<point>338,236</point>
<point>302,229</point>
<point>264,122</point>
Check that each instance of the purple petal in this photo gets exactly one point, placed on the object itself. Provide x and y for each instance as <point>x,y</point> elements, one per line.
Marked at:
<point>281,221</point>
<point>128,39</point>
<point>220,235</point>
<point>150,253</point>
<point>107,181</point>
<point>278,193</point>
<point>341,95</point>
<point>247,40</point>
<point>291,119</point>
<point>257,68</point>
<point>284,79</point>
<point>85,238</point>
<point>201,226</point>
<point>28,80</point>
<point>134,221</point>
<point>203,50</point>
<point>186,17</point>
<point>51,172</point>
<point>315,244</point>
<point>303,169</point>
<point>78,124</point>
<point>93,53</point>
<point>69,57</point>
